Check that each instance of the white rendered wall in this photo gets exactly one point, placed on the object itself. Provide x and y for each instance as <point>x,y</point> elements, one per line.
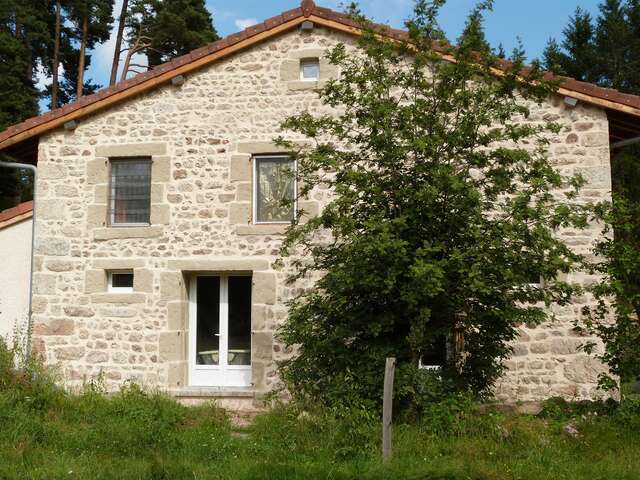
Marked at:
<point>15,250</point>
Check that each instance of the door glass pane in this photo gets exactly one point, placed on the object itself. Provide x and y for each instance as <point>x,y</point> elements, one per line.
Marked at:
<point>208,321</point>
<point>275,189</point>
<point>239,321</point>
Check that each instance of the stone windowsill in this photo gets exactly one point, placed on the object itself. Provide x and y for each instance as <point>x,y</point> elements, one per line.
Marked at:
<point>263,229</point>
<point>297,85</point>
<point>113,233</point>
<point>209,392</point>
<point>128,298</point>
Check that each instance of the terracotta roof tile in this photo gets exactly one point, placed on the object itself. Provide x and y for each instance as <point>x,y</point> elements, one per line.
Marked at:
<point>11,213</point>
<point>307,9</point>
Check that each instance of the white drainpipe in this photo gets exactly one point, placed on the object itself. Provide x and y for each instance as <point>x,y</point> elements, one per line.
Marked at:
<point>33,169</point>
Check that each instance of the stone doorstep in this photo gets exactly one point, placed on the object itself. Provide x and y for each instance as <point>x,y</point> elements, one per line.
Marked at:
<point>239,403</point>
<point>212,392</point>
<point>514,408</point>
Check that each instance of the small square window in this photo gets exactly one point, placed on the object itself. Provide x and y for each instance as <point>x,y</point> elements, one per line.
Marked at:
<point>274,189</point>
<point>534,278</point>
<point>434,356</point>
<point>310,69</point>
<point>121,281</point>
<point>130,192</point>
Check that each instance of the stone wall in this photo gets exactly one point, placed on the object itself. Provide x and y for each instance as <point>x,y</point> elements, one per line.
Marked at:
<point>201,136</point>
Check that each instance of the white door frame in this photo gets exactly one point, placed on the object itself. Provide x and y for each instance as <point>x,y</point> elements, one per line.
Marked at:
<point>221,375</point>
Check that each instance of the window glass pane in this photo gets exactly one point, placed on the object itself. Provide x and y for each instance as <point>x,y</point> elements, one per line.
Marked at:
<point>130,196</point>
<point>208,321</point>
<point>533,275</point>
<point>435,354</point>
<point>122,280</point>
<point>239,321</point>
<point>274,189</point>
<point>310,69</point>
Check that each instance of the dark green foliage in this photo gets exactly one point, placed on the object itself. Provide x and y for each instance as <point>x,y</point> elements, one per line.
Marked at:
<point>422,246</point>
<point>615,320</point>
<point>607,52</point>
<point>171,27</point>
<point>69,57</point>
<point>23,41</point>
<point>602,50</point>
<point>578,54</point>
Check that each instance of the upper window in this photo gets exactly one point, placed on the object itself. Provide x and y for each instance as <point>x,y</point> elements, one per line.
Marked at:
<point>274,189</point>
<point>310,69</point>
<point>130,192</point>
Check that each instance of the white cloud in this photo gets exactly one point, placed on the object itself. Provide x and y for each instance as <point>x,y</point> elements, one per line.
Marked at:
<point>243,23</point>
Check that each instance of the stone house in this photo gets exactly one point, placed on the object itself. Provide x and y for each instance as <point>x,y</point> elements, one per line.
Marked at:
<point>157,229</point>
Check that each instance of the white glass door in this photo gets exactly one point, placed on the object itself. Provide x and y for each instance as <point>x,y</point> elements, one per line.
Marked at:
<point>220,330</point>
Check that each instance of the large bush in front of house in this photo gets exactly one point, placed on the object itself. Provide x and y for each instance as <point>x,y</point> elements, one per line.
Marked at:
<point>444,218</point>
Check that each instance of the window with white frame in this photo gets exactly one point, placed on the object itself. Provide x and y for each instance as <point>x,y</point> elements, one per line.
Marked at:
<point>120,281</point>
<point>533,275</point>
<point>434,355</point>
<point>310,69</point>
<point>130,191</point>
<point>274,188</point>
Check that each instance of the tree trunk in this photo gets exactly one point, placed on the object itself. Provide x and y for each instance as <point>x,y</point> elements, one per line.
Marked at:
<point>125,67</point>
<point>83,47</point>
<point>56,60</point>
<point>118,47</point>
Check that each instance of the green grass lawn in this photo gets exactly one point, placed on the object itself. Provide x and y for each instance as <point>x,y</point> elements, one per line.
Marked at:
<point>48,433</point>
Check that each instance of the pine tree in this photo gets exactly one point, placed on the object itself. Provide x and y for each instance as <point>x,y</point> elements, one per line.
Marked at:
<point>613,38</point>
<point>92,19</point>
<point>25,42</point>
<point>577,57</point>
<point>553,58</point>
<point>164,29</point>
<point>633,19</point>
<point>117,51</point>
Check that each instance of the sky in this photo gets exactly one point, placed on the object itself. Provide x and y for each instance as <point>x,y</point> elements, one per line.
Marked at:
<point>533,21</point>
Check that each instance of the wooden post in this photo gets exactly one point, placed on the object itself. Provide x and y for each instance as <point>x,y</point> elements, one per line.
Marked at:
<point>387,409</point>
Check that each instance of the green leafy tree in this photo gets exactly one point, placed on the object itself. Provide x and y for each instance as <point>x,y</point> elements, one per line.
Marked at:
<point>615,319</point>
<point>607,52</point>
<point>444,212</point>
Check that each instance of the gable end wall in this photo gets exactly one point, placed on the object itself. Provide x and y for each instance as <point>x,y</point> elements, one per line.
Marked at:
<point>197,135</point>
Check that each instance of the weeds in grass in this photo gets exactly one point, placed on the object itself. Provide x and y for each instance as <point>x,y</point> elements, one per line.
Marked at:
<point>49,433</point>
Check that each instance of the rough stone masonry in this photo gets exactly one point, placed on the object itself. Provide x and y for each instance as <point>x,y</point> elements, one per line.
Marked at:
<point>201,137</point>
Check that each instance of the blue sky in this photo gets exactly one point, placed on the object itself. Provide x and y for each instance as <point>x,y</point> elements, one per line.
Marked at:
<point>534,21</point>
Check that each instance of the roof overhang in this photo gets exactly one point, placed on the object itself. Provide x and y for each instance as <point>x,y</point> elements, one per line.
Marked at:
<point>14,215</point>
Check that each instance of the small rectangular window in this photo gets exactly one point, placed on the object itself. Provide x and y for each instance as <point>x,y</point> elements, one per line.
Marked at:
<point>130,192</point>
<point>274,189</point>
<point>534,278</point>
<point>121,281</point>
<point>434,356</point>
<point>310,69</point>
